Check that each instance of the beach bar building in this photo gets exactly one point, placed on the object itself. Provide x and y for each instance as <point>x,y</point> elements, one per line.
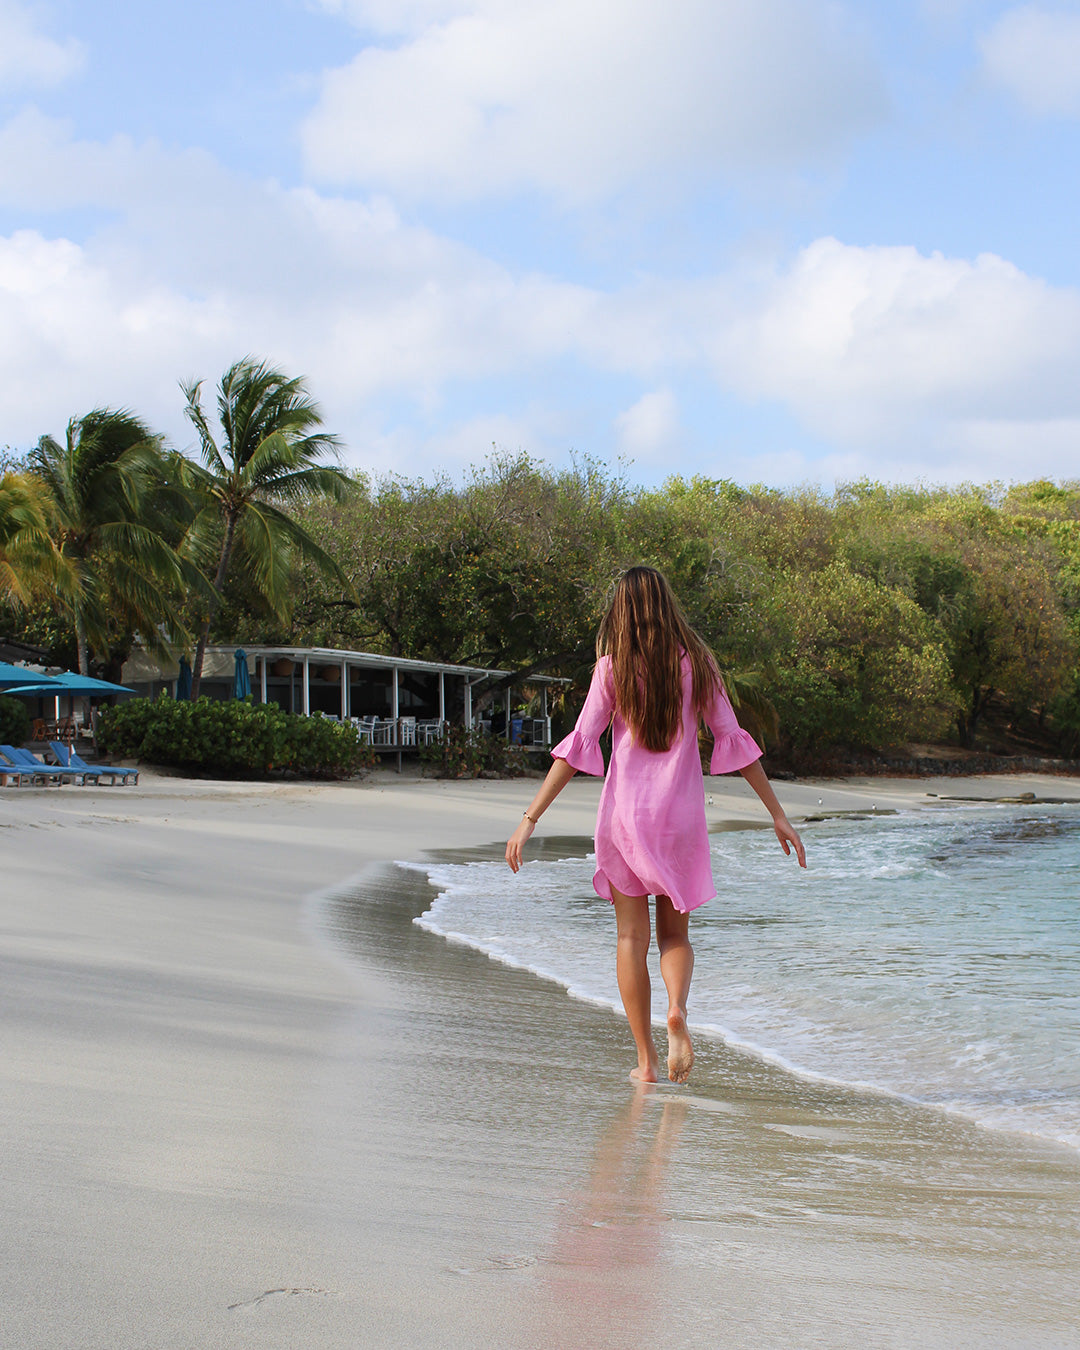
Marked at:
<point>397,703</point>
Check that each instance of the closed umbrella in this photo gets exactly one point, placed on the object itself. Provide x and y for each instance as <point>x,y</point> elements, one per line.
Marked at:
<point>183,680</point>
<point>242,685</point>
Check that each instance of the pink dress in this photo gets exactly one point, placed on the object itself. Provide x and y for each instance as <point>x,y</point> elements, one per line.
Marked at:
<point>651,836</point>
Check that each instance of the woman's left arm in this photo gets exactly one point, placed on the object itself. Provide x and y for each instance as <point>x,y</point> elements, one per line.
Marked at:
<point>785,831</point>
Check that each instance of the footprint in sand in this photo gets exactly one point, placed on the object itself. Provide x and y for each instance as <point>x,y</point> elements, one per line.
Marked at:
<point>273,1294</point>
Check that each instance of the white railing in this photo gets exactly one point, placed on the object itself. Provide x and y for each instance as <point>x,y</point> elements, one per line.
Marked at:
<point>407,733</point>
<point>398,733</point>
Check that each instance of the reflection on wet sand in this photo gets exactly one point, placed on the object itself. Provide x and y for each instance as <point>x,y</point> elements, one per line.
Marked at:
<point>605,1261</point>
<point>613,1225</point>
<point>497,1181</point>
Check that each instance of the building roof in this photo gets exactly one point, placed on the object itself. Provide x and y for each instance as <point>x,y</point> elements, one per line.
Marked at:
<point>218,663</point>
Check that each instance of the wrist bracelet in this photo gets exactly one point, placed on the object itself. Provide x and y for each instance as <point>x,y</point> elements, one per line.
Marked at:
<point>525,816</point>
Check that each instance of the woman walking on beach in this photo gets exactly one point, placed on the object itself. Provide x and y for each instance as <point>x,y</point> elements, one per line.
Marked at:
<point>654,680</point>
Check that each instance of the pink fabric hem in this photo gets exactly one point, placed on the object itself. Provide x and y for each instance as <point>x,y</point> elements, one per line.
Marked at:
<point>602,887</point>
<point>581,752</point>
<point>734,751</point>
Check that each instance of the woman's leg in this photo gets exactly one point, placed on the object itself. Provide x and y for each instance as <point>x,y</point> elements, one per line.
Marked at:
<point>631,966</point>
<point>676,966</point>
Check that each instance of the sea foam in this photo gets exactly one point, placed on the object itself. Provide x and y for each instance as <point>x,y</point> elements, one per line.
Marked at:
<point>934,955</point>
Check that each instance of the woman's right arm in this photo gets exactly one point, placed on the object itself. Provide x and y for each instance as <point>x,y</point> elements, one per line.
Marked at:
<point>557,778</point>
<point>579,750</point>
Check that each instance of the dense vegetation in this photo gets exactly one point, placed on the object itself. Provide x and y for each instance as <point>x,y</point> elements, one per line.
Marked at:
<point>233,738</point>
<point>14,721</point>
<point>863,618</point>
<point>465,752</point>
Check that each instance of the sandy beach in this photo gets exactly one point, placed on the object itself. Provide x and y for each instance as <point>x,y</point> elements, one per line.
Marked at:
<point>247,1102</point>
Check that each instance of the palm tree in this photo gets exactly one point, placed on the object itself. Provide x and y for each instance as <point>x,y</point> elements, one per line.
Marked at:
<point>746,689</point>
<point>268,460</point>
<point>28,560</point>
<point>102,491</point>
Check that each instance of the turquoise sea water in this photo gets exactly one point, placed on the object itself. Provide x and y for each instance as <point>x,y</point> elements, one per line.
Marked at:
<point>935,955</point>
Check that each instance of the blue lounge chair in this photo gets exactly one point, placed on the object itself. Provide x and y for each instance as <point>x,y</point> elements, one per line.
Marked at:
<point>68,759</point>
<point>8,772</point>
<point>62,755</point>
<point>30,766</point>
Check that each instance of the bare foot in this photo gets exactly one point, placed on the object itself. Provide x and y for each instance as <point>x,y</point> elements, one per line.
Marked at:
<point>680,1056</point>
<point>645,1073</point>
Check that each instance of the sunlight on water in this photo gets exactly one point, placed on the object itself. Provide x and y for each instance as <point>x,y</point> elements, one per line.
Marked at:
<point>935,956</point>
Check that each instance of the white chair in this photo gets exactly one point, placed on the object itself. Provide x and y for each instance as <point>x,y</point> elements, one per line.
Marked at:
<point>406,730</point>
<point>365,727</point>
<point>382,733</point>
<point>428,731</point>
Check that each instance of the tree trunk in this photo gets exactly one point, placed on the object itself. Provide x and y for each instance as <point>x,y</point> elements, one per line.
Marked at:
<point>80,642</point>
<point>215,602</point>
<point>966,723</point>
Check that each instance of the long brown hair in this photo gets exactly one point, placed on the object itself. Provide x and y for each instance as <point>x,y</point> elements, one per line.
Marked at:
<point>645,633</point>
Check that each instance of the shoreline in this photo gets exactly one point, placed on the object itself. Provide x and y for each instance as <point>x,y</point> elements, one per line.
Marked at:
<point>219,1134</point>
<point>804,1174</point>
<point>558,849</point>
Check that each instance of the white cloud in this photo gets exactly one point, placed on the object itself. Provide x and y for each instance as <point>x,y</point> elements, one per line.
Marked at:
<point>74,335</point>
<point>899,363</point>
<point>1034,53</point>
<point>878,346</point>
<point>650,427</point>
<point>199,266</point>
<point>578,98</point>
<point>29,58</point>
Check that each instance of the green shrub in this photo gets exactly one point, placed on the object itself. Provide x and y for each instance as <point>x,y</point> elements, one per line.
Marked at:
<point>231,738</point>
<point>14,721</point>
<point>473,754</point>
<point>861,664</point>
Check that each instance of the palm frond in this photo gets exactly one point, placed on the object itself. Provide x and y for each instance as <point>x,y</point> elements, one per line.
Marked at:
<point>212,456</point>
<point>746,689</point>
<point>265,527</point>
<point>268,552</point>
<point>321,481</point>
<point>129,539</point>
<point>201,543</point>
<point>286,469</point>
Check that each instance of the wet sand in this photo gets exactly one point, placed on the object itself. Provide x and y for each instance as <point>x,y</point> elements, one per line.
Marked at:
<point>237,1117</point>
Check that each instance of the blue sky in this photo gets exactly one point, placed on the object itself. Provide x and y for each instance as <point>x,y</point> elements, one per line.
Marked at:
<point>774,240</point>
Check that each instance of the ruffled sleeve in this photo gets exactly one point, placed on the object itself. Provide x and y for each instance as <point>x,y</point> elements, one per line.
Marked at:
<point>733,748</point>
<point>581,749</point>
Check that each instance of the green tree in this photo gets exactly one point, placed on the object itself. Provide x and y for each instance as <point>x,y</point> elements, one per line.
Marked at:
<point>28,560</point>
<point>1009,636</point>
<point>991,572</point>
<point>859,664</point>
<point>103,489</point>
<point>507,569</point>
<point>268,462</point>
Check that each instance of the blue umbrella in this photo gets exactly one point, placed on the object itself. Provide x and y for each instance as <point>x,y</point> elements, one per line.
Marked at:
<point>11,676</point>
<point>183,680</point>
<point>72,683</point>
<point>242,686</point>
